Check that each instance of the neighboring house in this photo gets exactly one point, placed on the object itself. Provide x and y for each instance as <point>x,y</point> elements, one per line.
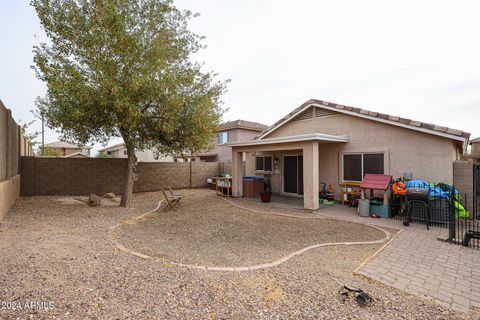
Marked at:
<point>475,143</point>
<point>331,143</point>
<point>65,149</point>
<point>120,151</point>
<point>77,155</point>
<point>230,132</point>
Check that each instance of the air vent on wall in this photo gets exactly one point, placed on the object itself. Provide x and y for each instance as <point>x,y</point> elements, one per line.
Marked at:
<point>307,114</point>
<point>319,113</point>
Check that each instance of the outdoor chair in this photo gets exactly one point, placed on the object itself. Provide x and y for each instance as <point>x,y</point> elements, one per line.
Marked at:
<point>179,195</point>
<point>171,201</point>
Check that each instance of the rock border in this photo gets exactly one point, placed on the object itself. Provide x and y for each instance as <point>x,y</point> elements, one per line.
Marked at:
<point>386,240</point>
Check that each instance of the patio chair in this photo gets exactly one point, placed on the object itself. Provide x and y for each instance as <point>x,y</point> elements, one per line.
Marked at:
<point>171,201</point>
<point>179,195</point>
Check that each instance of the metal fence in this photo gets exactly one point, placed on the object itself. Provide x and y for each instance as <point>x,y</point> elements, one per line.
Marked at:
<point>476,190</point>
<point>445,210</point>
<point>435,211</point>
<point>466,230</point>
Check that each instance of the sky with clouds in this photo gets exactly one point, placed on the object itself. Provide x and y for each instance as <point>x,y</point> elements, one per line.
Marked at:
<point>415,59</point>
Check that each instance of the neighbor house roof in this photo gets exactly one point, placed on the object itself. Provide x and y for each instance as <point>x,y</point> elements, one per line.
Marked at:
<point>114,147</point>
<point>297,138</point>
<point>476,140</point>
<point>65,145</point>
<point>243,124</point>
<point>376,116</point>
<point>76,155</point>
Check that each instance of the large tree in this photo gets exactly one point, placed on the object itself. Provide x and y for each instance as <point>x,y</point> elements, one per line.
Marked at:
<point>123,68</point>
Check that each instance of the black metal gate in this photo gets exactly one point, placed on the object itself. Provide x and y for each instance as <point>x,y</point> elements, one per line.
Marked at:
<point>476,190</point>
<point>466,230</point>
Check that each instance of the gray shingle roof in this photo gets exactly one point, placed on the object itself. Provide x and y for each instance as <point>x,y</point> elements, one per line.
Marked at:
<point>378,115</point>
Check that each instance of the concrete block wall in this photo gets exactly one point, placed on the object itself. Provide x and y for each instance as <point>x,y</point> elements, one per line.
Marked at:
<point>155,175</point>
<point>463,181</point>
<point>9,191</point>
<point>71,176</point>
<point>200,171</point>
<point>13,146</point>
<point>3,141</point>
<point>10,145</point>
<point>225,167</point>
<point>82,176</point>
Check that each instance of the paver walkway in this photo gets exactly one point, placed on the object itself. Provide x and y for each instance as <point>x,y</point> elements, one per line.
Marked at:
<point>415,261</point>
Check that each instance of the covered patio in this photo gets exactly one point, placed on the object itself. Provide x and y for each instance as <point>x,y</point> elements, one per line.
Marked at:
<point>292,162</point>
<point>284,201</point>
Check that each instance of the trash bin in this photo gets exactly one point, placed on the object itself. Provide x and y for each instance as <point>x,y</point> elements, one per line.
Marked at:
<point>252,186</point>
<point>364,207</point>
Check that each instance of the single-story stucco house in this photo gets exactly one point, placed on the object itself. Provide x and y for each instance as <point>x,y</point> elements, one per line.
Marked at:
<point>331,143</point>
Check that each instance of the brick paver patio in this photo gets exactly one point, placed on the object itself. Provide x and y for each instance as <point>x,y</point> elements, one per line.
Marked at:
<point>415,261</point>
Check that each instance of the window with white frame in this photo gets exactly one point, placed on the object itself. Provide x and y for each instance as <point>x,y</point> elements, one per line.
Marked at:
<point>222,137</point>
<point>263,163</point>
<point>125,152</point>
<point>356,165</point>
<point>109,152</point>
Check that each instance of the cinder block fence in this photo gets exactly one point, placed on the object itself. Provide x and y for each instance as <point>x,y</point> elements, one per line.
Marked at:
<point>83,176</point>
<point>12,145</point>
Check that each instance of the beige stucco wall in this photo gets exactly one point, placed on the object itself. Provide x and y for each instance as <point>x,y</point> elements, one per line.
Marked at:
<point>142,156</point>
<point>67,151</point>
<point>427,156</point>
<point>309,149</point>
<point>9,191</point>
<point>224,153</point>
<point>476,150</point>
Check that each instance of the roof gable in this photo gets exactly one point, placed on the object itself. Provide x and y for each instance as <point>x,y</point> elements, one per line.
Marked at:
<point>298,113</point>
<point>313,112</point>
<point>243,124</point>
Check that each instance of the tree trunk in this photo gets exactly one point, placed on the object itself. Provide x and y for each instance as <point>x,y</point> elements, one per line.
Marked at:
<point>128,187</point>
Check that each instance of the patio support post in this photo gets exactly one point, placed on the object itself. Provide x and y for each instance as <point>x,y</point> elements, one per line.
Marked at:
<point>311,177</point>
<point>237,187</point>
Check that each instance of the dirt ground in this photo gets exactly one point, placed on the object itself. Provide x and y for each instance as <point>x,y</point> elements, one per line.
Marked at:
<point>65,257</point>
<point>209,231</point>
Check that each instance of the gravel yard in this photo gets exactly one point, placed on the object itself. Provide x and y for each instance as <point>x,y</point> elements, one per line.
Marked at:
<point>65,254</point>
<point>209,231</point>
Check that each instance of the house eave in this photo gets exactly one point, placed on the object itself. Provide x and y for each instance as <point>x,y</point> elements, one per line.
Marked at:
<point>364,116</point>
<point>287,139</point>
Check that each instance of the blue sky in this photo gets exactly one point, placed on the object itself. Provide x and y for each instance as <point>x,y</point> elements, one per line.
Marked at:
<point>416,59</point>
